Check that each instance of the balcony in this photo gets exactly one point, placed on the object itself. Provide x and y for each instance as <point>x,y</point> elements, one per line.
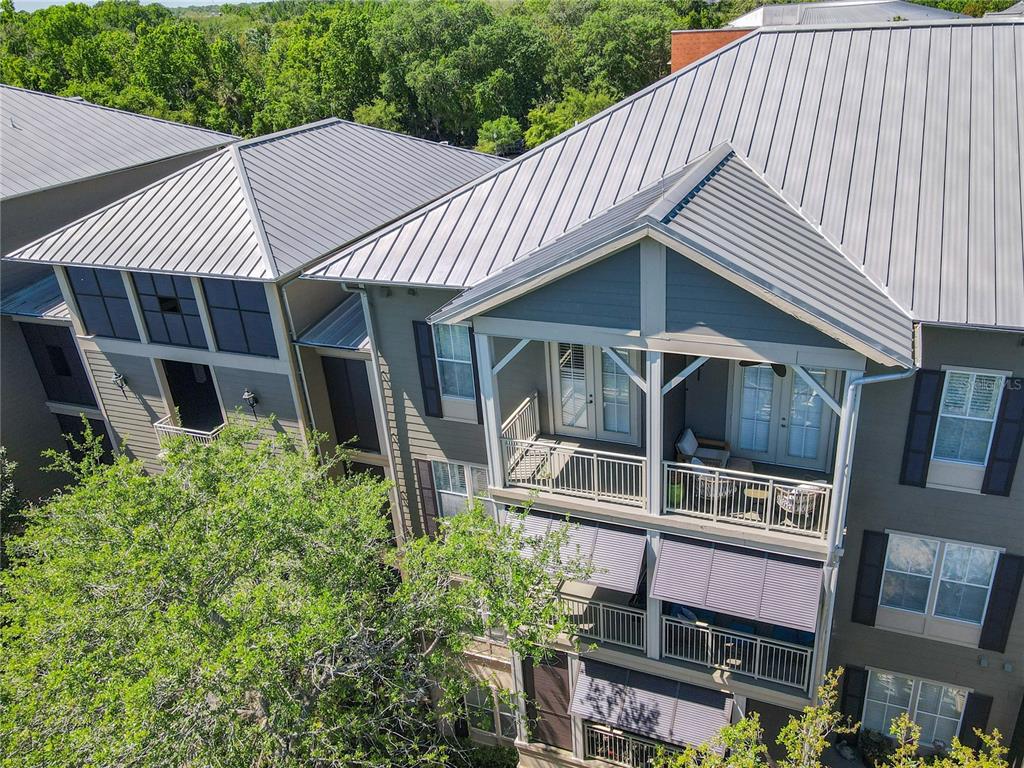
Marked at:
<point>568,468</point>
<point>735,497</point>
<point>166,430</point>
<point>608,623</point>
<point>620,748</point>
<point>741,653</point>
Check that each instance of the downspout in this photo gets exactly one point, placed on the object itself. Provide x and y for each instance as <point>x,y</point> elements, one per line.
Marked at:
<point>840,495</point>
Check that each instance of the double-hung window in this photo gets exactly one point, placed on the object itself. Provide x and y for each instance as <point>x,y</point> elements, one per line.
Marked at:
<point>103,302</point>
<point>937,579</point>
<point>488,713</point>
<point>938,709</point>
<point>456,483</point>
<point>454,358</point>
<point>967,415</point>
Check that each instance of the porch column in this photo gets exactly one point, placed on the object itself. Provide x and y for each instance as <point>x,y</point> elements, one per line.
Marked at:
<point>653,604</point>
<point>490,406</point>
<point>655,430</point>
<point>519,690</point>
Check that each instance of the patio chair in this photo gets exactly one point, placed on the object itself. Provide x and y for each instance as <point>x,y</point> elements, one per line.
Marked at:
<point>710,485</point>
<point>801,503</point>
<point>709,451</point>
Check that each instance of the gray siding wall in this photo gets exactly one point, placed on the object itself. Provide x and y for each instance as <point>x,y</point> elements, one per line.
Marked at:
<point>605,294</point>
<point>29,217</point>
<point>310,300</point>
<point>27,427</point>
<point>878,501</point>
<point>698,301</point>
<point>414,435</point>
<point>707,399</point>
<point>131,413</point>
<point>526,374</point>
<point>274,391</point>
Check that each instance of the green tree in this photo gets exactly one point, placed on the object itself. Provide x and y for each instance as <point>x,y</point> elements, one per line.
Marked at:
<point>380,114</point>
<point>244,608</point>
<point>502,136</point>
<point>549,120</point>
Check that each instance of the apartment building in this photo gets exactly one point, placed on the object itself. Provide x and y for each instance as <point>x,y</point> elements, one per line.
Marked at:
<point>46,182</point>
<point>174,292</point>
<point>756,331</point>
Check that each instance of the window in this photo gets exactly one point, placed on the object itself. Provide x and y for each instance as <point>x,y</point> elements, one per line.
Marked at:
<point>73,430</point>
<point>486,711</point>
<point>240,317</point>
<point>454,361</point>
<point>615,400</point>
<point>937,708</point>
<point>967,414</point>
<point>58,363</point>
<point>454,483</point>
<point>170,310</point>
<point>103,302</point>
<point>944,579</point>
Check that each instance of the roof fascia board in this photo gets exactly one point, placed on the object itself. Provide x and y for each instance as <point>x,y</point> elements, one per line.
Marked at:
<point>254,215</point>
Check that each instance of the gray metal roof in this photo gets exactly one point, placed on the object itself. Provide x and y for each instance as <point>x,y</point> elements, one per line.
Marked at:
<point>901,144</point>
<point>1017,9</point>
<point>264,208</point>
<point>656,707</point>
<point>41,299</point>
<point>344,327</point>
<point>840,12</point>
<point>49,140</point>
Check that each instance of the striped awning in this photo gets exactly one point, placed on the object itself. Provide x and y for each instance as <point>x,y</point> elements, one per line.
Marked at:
<point>655,707</point>
<point>740,582</point>
<point>616,552</point>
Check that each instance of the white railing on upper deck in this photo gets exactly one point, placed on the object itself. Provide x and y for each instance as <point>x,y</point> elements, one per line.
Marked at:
<point>166,429</point>
<point>747,498</point>
<point>571,471</point>
<point>614,746</point>
<point>607,622</point>
<point>758,657</point>
<point>524,422</point>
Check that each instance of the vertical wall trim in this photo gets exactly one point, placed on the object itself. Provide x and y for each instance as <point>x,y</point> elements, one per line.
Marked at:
<point>519,690</point>
<point>653,604</point>
<point>69,298</point>
<point>133,301</point>
<point>491,407</point>
<point>286,353</point>
<point>204,314</point>
<point>652,287</point>
<point>655,429</point>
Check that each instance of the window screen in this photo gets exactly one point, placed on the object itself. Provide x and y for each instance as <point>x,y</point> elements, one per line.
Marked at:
<point>103,302</point>
<point>240,317</point>
<point>170,310</point>
<point>58,363</point>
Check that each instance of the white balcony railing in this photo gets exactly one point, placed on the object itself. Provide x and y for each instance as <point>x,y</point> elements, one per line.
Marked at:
<point>614,746</point>
<point>747,498</point>
<point>524,422</point>
<point>738,652</point>
<point>608,623</point>
<point>166,429</point>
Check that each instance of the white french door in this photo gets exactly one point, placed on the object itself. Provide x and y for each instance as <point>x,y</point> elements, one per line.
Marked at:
<point>593,396</point>
<point>781,419</point>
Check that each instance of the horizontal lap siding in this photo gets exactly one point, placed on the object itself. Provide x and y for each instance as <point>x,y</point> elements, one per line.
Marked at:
<point>273,390</point>
<point>414,435</point>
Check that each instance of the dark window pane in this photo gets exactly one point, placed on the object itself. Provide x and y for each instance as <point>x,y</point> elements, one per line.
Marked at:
<point>176,329</point>
<point>189,306</point>
<point>170,304</point>
<point>219,293</point>
<point>196,335</point>
<point>227,326</point>
<point>183,287</point>
<point>111,283</point>
<point>151,303</point>
<point>122,320</point>
<point>252,296</point>
<point>73,426</point>
<point>260,333</point>
<point>143,282</point>
<point>83,280</point>
<point>164,285</point>
<point>58,362</point>
<point>156,328</point>
<point>94,315</point>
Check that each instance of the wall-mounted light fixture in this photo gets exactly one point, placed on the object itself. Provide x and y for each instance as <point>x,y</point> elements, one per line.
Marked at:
<point>250,399</point>
<point>119,381</point>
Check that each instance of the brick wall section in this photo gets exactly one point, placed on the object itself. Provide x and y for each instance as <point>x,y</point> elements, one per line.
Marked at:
<point>688,45</point>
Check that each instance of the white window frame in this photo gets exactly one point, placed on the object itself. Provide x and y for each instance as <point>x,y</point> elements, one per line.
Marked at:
<point>438,360</point>
<point>496,715</point>
<point>915,696</point>
<point>936,578</point>
<point>974,373</point>
<point>472,490</point>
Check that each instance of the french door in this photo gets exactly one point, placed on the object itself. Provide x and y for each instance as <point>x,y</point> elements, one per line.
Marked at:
<point>593,396</point>
<point>781,419</point>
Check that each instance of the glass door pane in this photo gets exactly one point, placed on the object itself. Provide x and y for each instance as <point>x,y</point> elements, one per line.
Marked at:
<point>756,408</point>
<point>805,417</point>
<point>615,405</point>
<point>572,384</point>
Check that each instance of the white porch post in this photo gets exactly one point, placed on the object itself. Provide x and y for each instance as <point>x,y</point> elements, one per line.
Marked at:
<point>655,430</point>
<point>653,604</point>
<point>491,406</point>
<point>519,690</point>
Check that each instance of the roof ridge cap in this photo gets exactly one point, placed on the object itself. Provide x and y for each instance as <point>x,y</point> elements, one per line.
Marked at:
<point>254,212</point>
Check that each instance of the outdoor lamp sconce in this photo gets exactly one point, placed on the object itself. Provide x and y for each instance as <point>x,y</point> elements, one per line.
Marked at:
<point>119,381</point>
<point>250,399</point>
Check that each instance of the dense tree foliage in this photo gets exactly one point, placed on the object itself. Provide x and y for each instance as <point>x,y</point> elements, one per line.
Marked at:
<point>245,609</point>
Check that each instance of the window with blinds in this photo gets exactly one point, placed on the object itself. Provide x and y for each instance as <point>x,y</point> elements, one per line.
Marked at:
<point>967,414</point>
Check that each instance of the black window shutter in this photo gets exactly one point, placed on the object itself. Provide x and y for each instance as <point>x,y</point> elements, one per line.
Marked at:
<point>869,576</point>
<point>428,368</point>
<point>1006,440</point>
<point>924,414</point>
<point>476,379</point>
<point>976,712</point>
<point>1002,602</point>
<point>428,499</point>
<point>851,703</point>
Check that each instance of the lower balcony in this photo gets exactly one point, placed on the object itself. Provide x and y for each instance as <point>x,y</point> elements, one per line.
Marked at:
<point>607,623</point>
<point>619,747</point>
<point>166,430</point>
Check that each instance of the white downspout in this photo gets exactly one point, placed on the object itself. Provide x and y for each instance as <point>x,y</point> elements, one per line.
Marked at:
<point>840,494</point>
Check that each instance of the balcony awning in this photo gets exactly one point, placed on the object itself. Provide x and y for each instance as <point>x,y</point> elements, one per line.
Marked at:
<point>616,552</point>
<point>655,707</point>
<point>344,327</point>
<point>741,582</point>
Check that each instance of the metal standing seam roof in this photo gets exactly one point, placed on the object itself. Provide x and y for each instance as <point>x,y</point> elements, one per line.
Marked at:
<point>344,327</point>
<point>840,12</point>
<point>262,209</point>
<point>662,709</point>
<point>40,299</point>
<point>900,143</point>
<point>1017,9</point>
<point>47,141</point>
